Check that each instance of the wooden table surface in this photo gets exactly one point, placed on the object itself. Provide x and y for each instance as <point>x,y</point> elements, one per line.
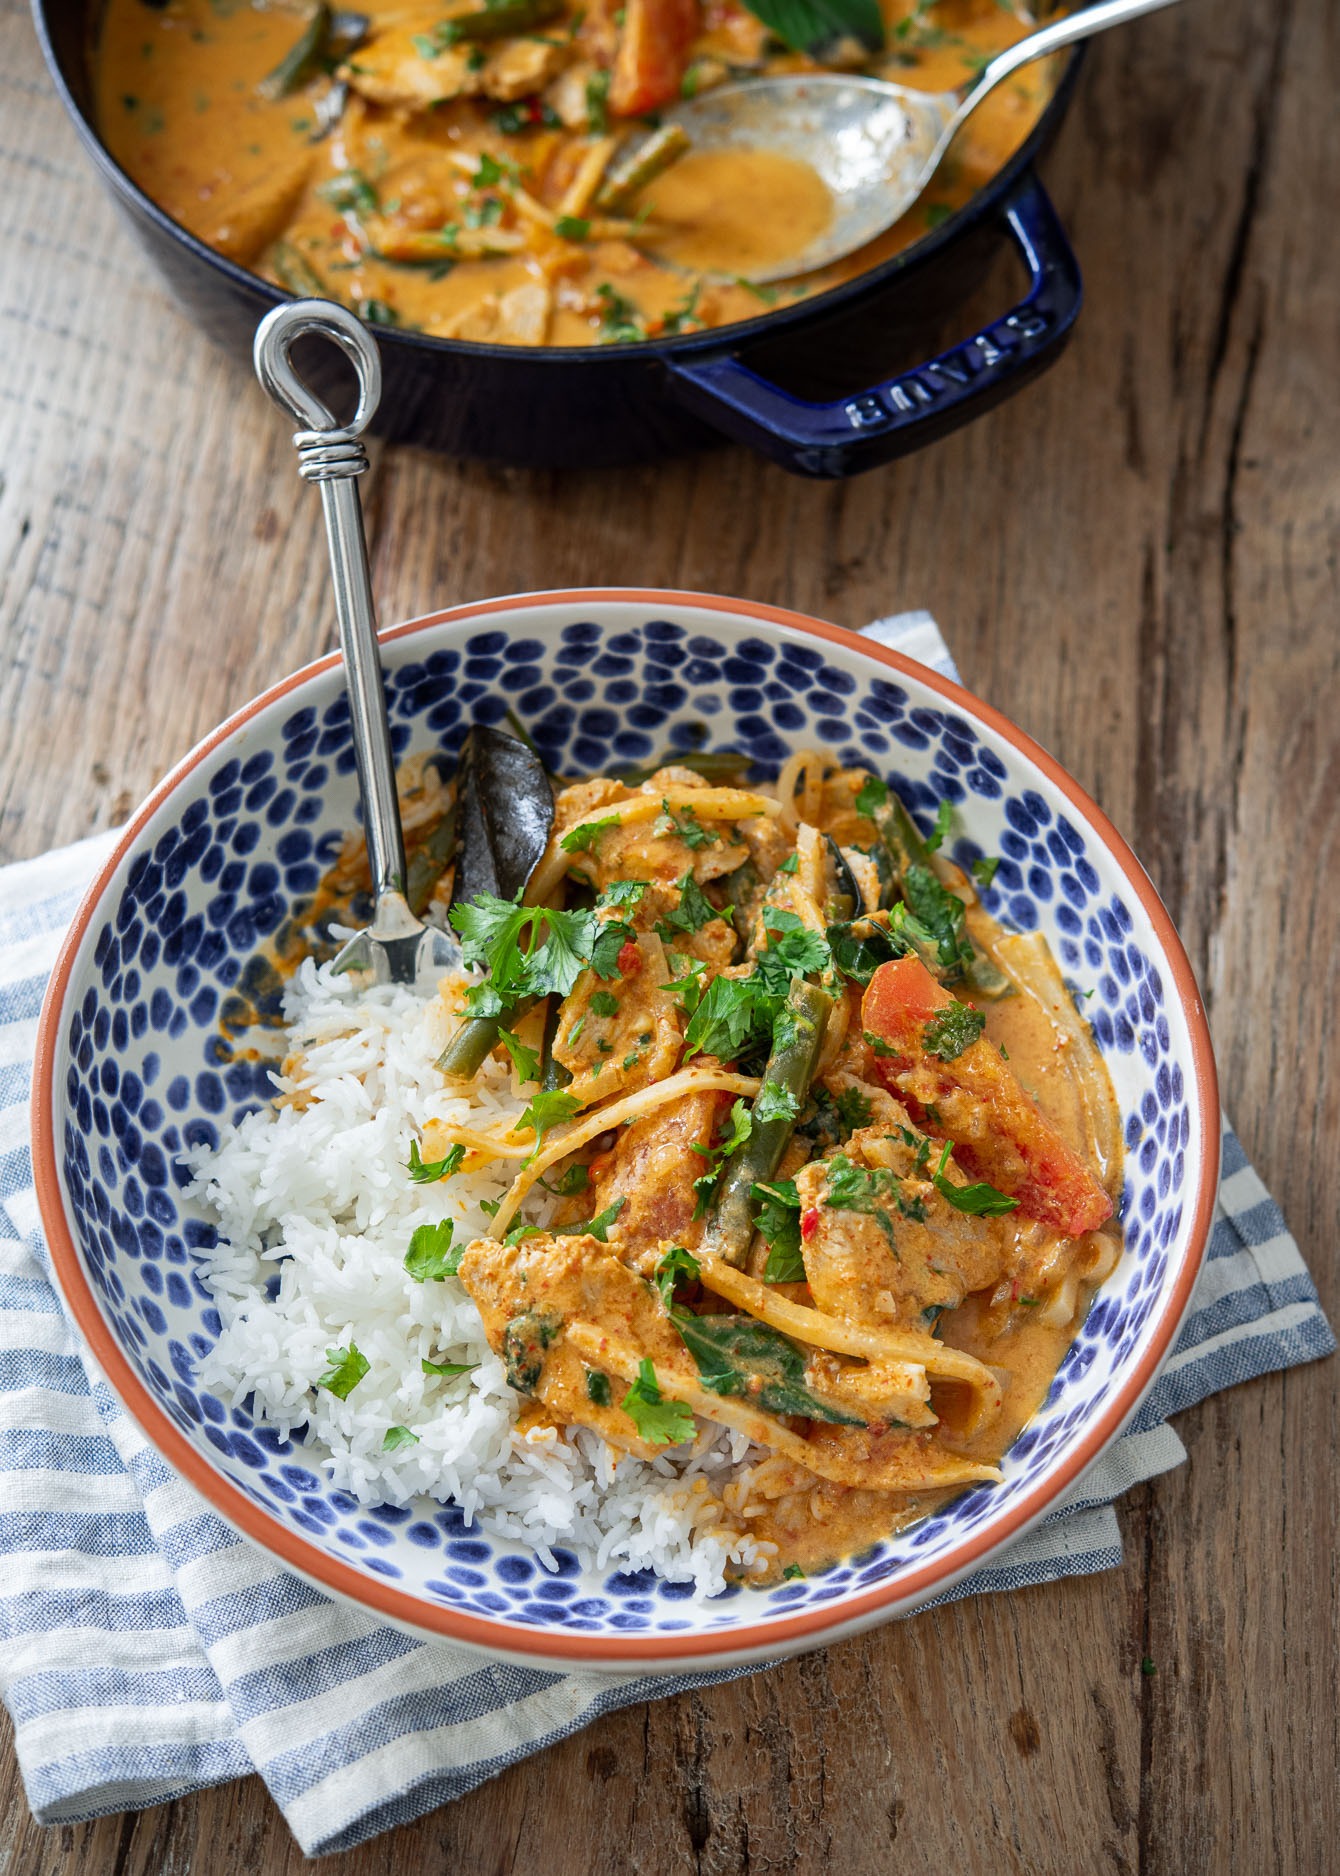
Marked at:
<point>1137,560</point>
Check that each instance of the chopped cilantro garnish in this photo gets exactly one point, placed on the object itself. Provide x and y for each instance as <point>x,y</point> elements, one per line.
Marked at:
<point>792,1573</point>
<point>659,1422</point>
<point>346,1368</point>
<point>853,1109</point>
<point>518,1232</point>
<point>778,1219</point>
<point>677,1266</point>
<point>775,1102</point>
<point>447,1370</point>
<point>426,1172</point>
<point>793,950</point>
<point>613,935</point>
<point>622,892</point>
<point>525,1061</point>
<point>872,795</point>
<point>944,815</point>
<point>396,1437</point>
<point>597,1387</point>
<point>684,826</point>
<point>430,1256</point>
<point>572,228</point>
<point>952,1030</point>
<point>597,1228</point>
<point>549,1108</point>
<point>576,1179</point>
<point>855,1188</point>
<point>694,911</point>
<point>984,870</point>
<point>790,864</point>
<point>587,835</point>
<point>604,1003</point>
<point>738,1128</point>
<point>492,931</point>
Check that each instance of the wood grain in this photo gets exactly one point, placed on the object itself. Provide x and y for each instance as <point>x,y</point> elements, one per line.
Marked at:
<point>1138,561</point>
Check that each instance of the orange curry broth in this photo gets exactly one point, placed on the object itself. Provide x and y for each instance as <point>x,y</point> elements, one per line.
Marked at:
<point>178,107</point>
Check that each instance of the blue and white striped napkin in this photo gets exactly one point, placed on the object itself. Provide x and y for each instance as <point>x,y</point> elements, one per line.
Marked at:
<point>146,1650</point>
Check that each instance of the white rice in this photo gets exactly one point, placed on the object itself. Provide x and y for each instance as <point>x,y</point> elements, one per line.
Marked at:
<point>313,1202</point>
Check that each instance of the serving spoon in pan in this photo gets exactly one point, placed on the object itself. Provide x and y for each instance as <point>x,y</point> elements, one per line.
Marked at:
<point>874,143</point>
<point>397,946</point>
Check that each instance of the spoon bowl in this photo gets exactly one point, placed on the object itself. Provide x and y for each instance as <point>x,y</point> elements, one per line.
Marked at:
<point>874,144</point>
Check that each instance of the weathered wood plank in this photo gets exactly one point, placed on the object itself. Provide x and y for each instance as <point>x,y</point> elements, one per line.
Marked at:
<point>1138,562</point>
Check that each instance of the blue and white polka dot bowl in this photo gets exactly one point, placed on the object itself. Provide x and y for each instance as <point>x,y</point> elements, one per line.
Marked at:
<point>131,1070</point>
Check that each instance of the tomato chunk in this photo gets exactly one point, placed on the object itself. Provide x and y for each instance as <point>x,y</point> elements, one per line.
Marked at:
<point>652,55</point>
<point>629,960</point>
<point>999,1132</point>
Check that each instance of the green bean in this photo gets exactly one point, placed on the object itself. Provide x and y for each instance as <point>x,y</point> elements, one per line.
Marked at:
<point>797,1041</point>
<point>296,272</point>
<point>500,21</point>
<point>474,1040</point>
<point>430,862</point>
<point>625,180</point>
<point>303,58</point>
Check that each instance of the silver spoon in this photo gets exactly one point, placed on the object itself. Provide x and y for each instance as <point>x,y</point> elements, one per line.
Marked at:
<point>397,946</point>
<point>875,144</point>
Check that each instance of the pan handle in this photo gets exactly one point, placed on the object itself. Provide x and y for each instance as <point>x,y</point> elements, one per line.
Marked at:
<point>918,406</point>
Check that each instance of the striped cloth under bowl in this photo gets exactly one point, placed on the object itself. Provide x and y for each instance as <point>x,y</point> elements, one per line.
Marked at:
<point>146,1650</point>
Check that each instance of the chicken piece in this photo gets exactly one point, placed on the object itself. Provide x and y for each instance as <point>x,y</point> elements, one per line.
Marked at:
<point>477,321</point>
<point>929,1051</point>
<point>257,214</point>
<point>653,1168</point>
<point>568,98</point>
<point>392,69</point>
<point>881,1243</point>
<point>521,67</point>
<point>524,312</point>
<point>530,1294</point>
<point>639,1038</point>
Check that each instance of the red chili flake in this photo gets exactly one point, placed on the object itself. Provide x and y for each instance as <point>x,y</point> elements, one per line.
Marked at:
<point>809,1223</point>
<point>629,959</point>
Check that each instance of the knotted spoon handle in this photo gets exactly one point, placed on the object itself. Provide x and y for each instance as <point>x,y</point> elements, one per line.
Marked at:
<point>331,455</point>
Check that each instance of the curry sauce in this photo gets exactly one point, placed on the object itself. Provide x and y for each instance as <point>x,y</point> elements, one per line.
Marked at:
<point>453,184</point>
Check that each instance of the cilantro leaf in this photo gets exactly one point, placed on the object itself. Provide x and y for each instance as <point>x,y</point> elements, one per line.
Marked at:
<point>944,816</point>
<point>576,1179</point>
<point>430,1257</point>
<point>556,965</point>
<point>549,1108</point>
<point>346,1368</point>
<point>952,1030</point>
<point>855,1188</point>
<point>978,1201</point>
<point>603,1003</point>
<point>791,864</point>
<point>611,938</point>
<point>940,915</point>
<point>686,985</point>
<point>775,1102</point>
<point>597,1387</point>
<point>659,1422</point>
<point>396,1437</point>
<point>778,1219</point>
<point>525,1061</point>
<point>623,892</point>
<point>425,1172</point>
<point>597,1227</point>
<point>984,870</point>
<point>872,795</point>
<point>793,950</point>
<point>447,1370</point>
<point>684,826</point>
<point>518,1232</point>
<point>586,837</point>
<point>694,911</point>
<point>854,1110</point>
<point>739,1127</point>
<point>677,1266</point>
<point>490,930</point>
<point>723,1019</point>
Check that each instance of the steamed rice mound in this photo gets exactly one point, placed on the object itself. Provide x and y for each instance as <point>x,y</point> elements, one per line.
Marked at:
<point>314,1211</point>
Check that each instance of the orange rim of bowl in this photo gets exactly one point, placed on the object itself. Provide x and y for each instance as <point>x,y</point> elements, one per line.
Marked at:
<point>779,1633</point>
